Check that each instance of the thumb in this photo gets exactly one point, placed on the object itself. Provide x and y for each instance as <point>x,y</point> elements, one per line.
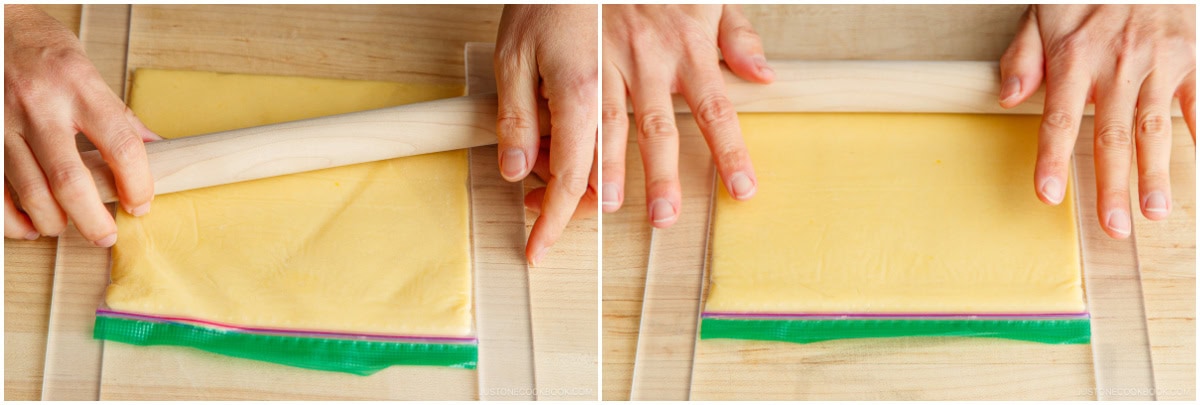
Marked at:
<point>517,111</point>
<point>741,46</point>
<point>1021,67</point>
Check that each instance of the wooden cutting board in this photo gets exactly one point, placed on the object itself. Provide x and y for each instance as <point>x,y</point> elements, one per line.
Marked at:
<point>357,42</point>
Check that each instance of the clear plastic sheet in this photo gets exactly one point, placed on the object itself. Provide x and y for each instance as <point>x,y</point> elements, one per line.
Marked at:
<point>1112,361</point>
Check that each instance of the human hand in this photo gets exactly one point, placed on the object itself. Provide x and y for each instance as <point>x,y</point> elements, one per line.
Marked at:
<point>547,54</point>
<point>51,92</point>
<point>1131,61</point>
<point>653,51</point>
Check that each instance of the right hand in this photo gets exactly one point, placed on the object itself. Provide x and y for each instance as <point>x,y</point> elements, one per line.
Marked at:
<point>547,53</point>
<point>1131,61</point>
<point>51,92</point>
<point>652,51</point>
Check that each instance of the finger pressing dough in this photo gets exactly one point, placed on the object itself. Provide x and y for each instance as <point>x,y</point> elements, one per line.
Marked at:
<point>894,214</point>
<point>378,248</point>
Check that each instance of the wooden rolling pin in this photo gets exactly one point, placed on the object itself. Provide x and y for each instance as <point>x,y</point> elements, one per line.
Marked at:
<point>464,122</point>
<point>311,144</point>
<point>878,86</point>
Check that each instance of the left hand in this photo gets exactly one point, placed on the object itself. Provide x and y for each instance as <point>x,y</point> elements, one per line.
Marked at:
<point>653,51</point>
<point>1132,61</point>
<point>547,53</point>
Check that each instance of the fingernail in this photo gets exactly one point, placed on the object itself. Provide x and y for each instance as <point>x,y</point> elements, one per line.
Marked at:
<point>513,163</point>
<point>610,195</point>
<point>1011,88</point>
<point>760,61</point>
<point>1118,221</point>
<point>1052,190</point>
<point>661,211</point>
<point>1156,202</point>
<point>32,235</point>
<point>537,255</point>
<point>107,241</point>
<point>742,186</point>
<point>140,210</point>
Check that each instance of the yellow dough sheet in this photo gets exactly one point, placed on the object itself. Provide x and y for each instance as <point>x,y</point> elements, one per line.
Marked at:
<point>894,213</point>
<point>379,247</point>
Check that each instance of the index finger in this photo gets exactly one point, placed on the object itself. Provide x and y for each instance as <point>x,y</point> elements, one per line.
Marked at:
<point>573,117</point>
<point>704,91</point>
<point>122,147</point>
<point>1067,87</point>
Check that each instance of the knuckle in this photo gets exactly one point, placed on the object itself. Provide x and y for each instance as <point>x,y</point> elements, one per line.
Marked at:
<point>1113,136</point>
<point>1155,176</point>
<point>1054,161</point>
<point>1127,46</point>
<point>696,38</point>
<point>1073,46</point>
<point>73,64</point>
<point>662,184</point>
<point>66,71</point>
<point>573,183</point>
<point>51,225</point>
<point>641,33</point>
<point>1138,38</point>
<point>714,110</point>
<point>732,155</point>
<point>512,121</point>
<point>127,148</point>
<point>614,171</point>
<point>22,92</point>
<point>575,84</point>
<point>94,232</point>
<point>1114,194</point>
<point>508,56</point>
<point>1058,121</point>
<point>32,191</point>
<point>1153,126</point>
<point>18,84</point>
<point>656,126</point>
<point>614,114</point>
<point>581,81</point>
<point>69,182</point>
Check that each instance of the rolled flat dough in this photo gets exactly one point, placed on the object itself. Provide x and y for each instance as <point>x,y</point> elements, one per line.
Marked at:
<point>894,213</point>
<point>372,248</point>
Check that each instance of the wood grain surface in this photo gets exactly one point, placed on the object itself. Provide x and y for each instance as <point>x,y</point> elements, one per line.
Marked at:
<point>413,43</point>
<point>373,42</point>
<point>1166,249</point>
